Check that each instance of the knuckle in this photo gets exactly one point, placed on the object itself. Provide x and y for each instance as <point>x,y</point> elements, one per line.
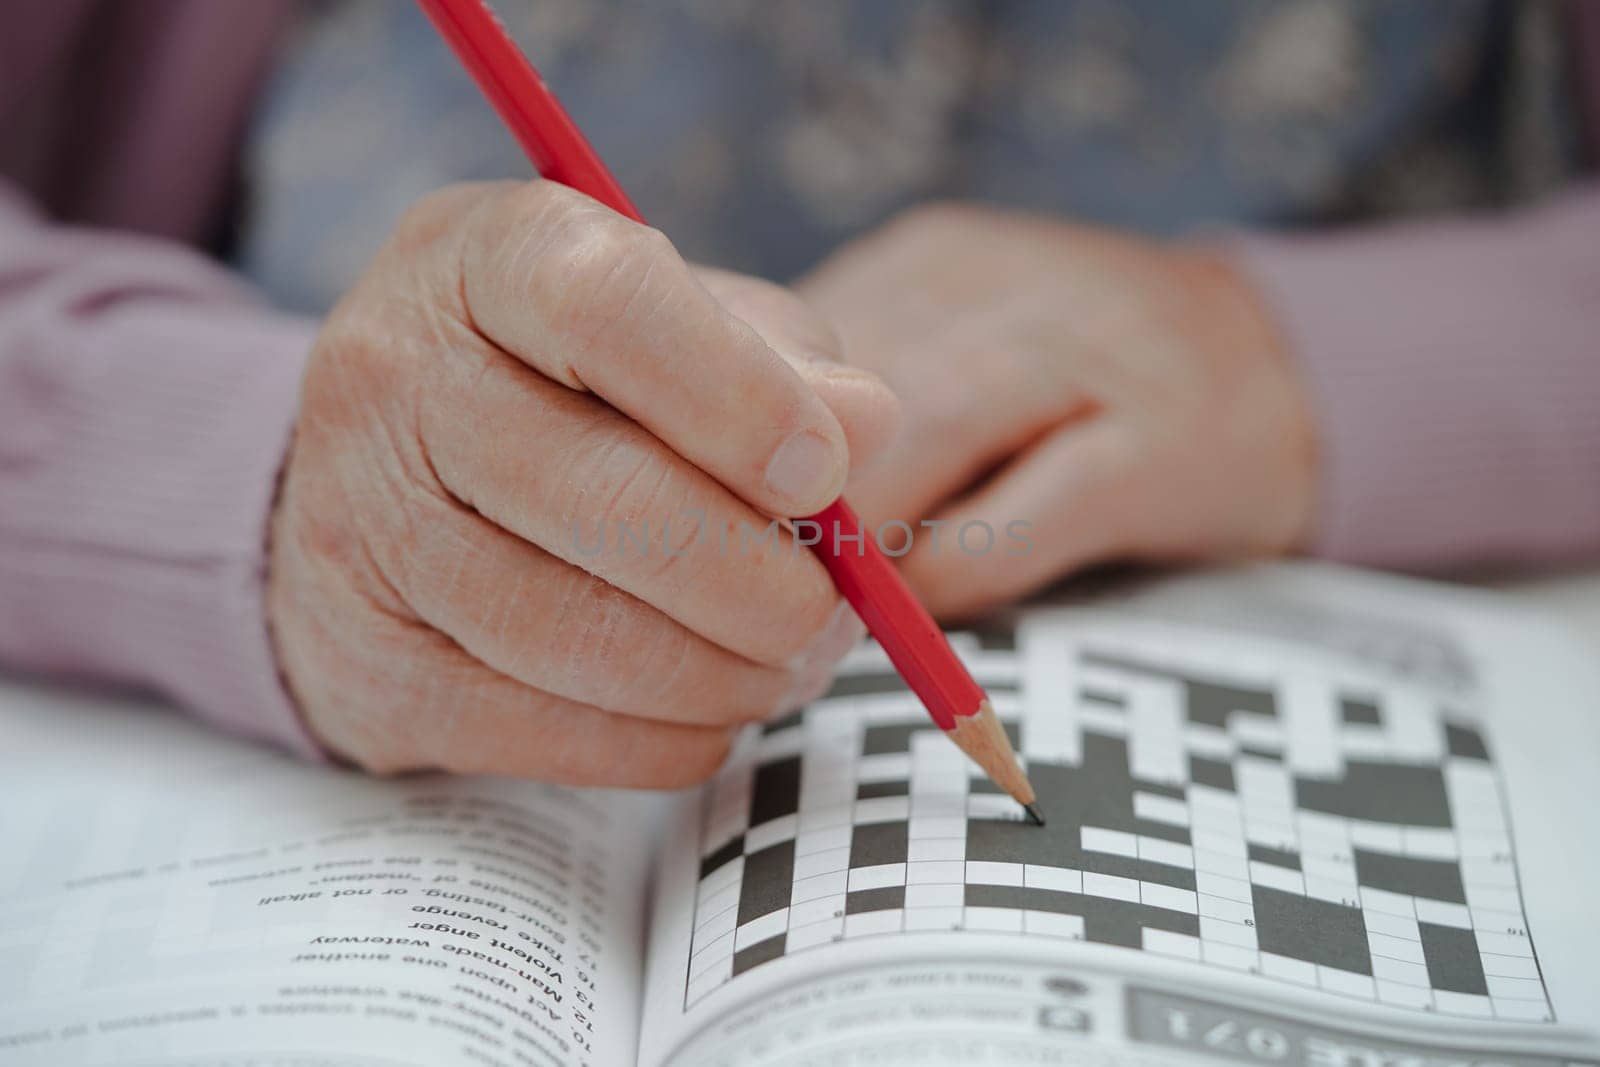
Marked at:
<point>602,274</point>
<point>605,276</point>
<point>584,267</point>
<point>532,207</point>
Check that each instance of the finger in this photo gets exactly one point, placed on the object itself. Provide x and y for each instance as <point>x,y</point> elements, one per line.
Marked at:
<point>865,407</point>
<point>451,712</point>
<point>565,471</point>
<point>597,302</point>
<point>972,401</point>
<point>550,625</point>
<point>1077,497</point>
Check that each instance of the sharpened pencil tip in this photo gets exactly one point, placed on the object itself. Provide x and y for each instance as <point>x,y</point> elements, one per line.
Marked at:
<point>1034,814</point>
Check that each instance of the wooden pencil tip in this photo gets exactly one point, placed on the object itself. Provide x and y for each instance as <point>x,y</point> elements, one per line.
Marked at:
<point>982,738</point>
<point>1034,814</point>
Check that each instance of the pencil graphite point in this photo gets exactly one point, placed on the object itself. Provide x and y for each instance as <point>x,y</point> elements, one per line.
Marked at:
<point>1034,814</point>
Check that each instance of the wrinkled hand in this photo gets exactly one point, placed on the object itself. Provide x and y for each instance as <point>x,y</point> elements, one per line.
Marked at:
<point>519,372</point>
<point>1115,397</point>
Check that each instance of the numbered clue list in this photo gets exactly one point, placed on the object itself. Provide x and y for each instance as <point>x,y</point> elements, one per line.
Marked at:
<point>475,923</point>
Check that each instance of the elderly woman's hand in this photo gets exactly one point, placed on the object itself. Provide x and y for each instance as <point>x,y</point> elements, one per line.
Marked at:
<point>1070,396</point>
<point>511,536</point>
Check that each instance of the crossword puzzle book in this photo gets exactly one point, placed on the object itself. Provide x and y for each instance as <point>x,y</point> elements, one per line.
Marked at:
<point>1297,815</point>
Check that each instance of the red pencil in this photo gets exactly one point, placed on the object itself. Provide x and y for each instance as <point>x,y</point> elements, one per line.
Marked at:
<point>913,641</point>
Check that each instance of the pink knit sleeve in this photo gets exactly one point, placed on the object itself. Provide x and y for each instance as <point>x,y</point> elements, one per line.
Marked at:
<point>146,400</point>
<point>1455,372</point>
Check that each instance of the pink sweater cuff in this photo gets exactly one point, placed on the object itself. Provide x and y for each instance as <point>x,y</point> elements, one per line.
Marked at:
<point>146,401</point>
<point>1454,370</point>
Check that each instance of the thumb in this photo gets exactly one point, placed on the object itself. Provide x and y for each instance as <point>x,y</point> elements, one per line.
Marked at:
<point>1080,496</point>
<point>865,407</point>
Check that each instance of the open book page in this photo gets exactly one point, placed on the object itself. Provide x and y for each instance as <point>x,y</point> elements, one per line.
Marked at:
<point>1296,815</point>
<point>170,896</point>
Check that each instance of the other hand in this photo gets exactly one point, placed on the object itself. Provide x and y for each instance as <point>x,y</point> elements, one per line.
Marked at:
<point>1117,397</point>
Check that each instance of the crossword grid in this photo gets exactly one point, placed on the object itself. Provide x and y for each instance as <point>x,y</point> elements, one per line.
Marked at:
<point>1206,807</point>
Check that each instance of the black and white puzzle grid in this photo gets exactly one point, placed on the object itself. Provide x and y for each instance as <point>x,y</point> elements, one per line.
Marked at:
<point>1274,811</point>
